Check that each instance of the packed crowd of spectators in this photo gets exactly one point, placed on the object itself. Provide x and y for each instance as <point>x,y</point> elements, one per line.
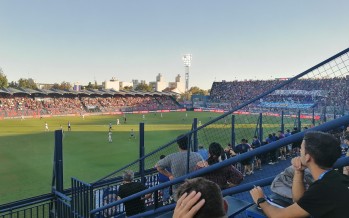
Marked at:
<point>228,95</point>
<point>167,103</point>
<point>58,105</point>
<point>62,105</point>
<point>16,106</point>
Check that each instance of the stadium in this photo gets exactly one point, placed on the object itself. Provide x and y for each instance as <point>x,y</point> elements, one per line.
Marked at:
<point>68,168</point>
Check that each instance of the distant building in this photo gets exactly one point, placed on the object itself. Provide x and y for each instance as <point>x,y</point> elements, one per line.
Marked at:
<point>124,84</point>
<point>112,84</point>
<point>77,87</point>
<point>178,85</point>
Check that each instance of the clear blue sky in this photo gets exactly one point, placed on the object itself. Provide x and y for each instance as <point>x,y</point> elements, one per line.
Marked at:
<point>79,40</point>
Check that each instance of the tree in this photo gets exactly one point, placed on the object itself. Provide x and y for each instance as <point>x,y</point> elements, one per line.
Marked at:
<point>3,79</point>
<point>197,91</point>
<point>27,83</point>
<point>89,86</point>
<point>127,88</point>
<point>63,86</point>
<point>13,84</point>
<point>144,87</point>
<point>193,91</point>
<point>56,86</point>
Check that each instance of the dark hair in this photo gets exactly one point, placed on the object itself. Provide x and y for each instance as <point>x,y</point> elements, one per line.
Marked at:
<point>182,142</point>
<point>215,150</point>
<point>162,156</point>
<point>324,148</point>
<point>128,175</point>
<point>214,206</point>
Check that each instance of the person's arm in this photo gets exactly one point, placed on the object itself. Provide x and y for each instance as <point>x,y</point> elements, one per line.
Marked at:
<point>165,172</point>
<point>298,188</point>
<point>346,170</point>
<point>294,210</point>
<point>162,165</point>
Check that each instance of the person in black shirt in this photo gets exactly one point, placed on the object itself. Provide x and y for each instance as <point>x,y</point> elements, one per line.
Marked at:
<point>247,163</point>
<point>129,187</point>
<point>328,196</point>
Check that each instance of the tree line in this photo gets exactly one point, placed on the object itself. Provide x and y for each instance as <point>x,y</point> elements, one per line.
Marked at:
<point>30,83</point>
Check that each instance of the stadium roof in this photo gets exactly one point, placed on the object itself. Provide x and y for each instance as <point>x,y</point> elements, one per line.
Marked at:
<point>30,91</point>
<point>98,92</point>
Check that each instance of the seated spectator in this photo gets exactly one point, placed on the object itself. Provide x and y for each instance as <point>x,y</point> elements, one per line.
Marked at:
<point>128,188</point>
<point>177,161</point>
<point>225,177</point>
<point>328,196</point>
<point>200,198</point>
<point>203,152</point>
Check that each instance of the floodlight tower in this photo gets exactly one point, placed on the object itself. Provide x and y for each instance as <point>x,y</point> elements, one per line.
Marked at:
<point>187,62</point>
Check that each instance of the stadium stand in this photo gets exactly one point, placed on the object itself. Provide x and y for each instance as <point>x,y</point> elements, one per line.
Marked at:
<point>35,103</point>
<point>245,99</point>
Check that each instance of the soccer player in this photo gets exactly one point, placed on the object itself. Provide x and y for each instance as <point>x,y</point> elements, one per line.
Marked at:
<point>46,127</point>
<point>69,126</point>
<point>109,137</point>
<point>132,135</point>
<point>117,121</point>
<point>110,127</point>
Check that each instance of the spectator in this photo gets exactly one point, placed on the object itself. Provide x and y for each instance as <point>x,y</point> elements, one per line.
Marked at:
<point>256,143</point>
<point>283,149</point>
<point>203,152</point>
<point>346,168</point>
<point>128,188</point>
<point>200,198</point>
<point>295,145</point>
<point>177,162</point>
<point>225,177</point>
<point>247,163</point>
<point>162,179</point>
<point>328,196</point>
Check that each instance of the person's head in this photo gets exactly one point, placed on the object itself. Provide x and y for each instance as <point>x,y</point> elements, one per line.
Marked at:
<point>255,137</point>
<point>201,147</point>
<point>128,175</point>
<point>243,141</point>
<point>322,147</point>
<point>287,130</point>
<point>182,142</point>
<point>346,139</point>
<point>216,152</point>
<point>214,206</point>
<point>162,156</point>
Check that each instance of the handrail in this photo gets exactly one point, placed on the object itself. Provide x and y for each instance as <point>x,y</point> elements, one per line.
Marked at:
<point>240,106</point>
<point>63,196</point>
<point>277,144</point>
<point>344,161</point>
<point>26,202</point>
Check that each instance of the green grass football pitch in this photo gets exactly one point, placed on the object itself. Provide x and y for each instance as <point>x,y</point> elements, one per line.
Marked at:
<point>26,150</point>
